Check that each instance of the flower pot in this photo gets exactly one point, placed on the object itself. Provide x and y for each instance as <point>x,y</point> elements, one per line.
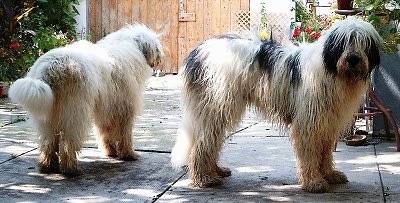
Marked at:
<point>3,89</point>
<point>345,4</point>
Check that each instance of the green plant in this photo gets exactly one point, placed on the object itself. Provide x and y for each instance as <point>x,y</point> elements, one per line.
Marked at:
<point>30,28</point>
<point>263,17</point>
<point>263,22</point>
<point>302,14</point>
<point>47,38</point>
<point>384,15</point>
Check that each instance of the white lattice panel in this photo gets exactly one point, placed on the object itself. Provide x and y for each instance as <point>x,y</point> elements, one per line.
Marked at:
<point>279,23</point>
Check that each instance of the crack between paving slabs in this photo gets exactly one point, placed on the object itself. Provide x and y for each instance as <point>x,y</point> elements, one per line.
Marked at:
<point>384,194</point>
<point>18,120</point>
<point>16,156</point>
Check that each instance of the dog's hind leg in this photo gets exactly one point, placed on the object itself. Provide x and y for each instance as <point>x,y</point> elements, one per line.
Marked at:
<point>70,144</point>
<point>123,135</point>
<point>308,145</point>
<point>203,159</point>
<point>116,136</point>
<point>209,128</point>
<point>74,122</point>
<point>108,144</point>
<point>69,161</point>
<point>49,147</point>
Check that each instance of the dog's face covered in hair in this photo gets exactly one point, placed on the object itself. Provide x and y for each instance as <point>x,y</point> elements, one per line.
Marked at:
<point>350,50</point>
<point>152,52</point>
<point>145,39</point>
<point>151,49</point>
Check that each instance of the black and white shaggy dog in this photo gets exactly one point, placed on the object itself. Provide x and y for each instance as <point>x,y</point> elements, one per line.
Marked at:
<point>67,88</point>
<point>314,90</point>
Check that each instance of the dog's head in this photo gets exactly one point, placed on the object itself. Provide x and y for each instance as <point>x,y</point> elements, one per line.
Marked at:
<point>351,49</point>
<point>148,43</point>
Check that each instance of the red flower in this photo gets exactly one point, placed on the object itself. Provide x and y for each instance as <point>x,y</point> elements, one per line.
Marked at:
<point>296,33</point>
<point>315,35</point>
<point>308,30</point>
<point>15,45</point>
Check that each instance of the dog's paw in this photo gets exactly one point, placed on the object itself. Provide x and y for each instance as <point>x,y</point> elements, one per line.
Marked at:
<point>129,157</point>
<point>316,186</point>
<point>206,181</point>
<point>71,172</point>
<point>49,163</point>
<point>111,153</point>
<point>224,172</point>
<point>49,169</point>
<point>336,177</point>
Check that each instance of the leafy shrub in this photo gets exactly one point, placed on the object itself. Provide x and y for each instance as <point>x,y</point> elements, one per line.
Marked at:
<point>30,28</point>
<point>384,15</point>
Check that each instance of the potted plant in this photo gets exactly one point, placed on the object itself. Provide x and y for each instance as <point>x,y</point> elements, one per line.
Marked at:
<point>345,4</point>
<point>1,90</point>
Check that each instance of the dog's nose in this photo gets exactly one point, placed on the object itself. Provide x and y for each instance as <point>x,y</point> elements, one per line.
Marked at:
<point>353,59</point>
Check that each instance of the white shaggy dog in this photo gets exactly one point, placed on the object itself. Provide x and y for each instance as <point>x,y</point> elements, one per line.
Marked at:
<point>69,87</point>
<point>313,89</point>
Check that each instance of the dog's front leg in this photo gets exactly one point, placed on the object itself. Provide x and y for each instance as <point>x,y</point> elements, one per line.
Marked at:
<point>327,168</point>
<point>308,146</point>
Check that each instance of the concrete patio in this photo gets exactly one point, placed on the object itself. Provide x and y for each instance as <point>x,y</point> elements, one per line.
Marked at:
<point>260,156</point>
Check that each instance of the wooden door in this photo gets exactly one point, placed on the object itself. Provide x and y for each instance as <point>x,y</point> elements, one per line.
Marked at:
<point>183,24</point>
<point>200,20</point>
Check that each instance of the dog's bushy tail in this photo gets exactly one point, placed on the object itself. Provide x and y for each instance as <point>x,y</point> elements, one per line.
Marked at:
<point>181,150</point>
<point>34,95</point>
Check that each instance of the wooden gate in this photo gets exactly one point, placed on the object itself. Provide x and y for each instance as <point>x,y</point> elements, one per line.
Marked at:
<point>182,23</point>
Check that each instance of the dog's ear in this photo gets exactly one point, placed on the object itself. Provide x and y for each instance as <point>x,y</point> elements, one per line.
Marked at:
<point>144,46</point>
<point>373,53</point>
<point>333,49</point>
<point>151,48</point>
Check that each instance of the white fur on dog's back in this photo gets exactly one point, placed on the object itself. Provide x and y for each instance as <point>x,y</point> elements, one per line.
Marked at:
<point>34,95</point>
<point>181,150</point>
<point>34,92</point>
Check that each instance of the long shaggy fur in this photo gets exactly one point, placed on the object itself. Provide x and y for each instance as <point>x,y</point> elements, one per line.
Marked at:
<point>313,89</point>
<point>69,87</point>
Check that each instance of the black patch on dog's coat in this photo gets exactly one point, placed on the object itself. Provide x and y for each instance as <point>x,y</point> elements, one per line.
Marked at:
<point>194,68</point>
<point>267,56</point>
<point>271,52</point>
<point>293,64</point>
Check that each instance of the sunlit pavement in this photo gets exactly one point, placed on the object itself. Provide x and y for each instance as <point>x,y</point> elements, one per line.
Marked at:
<point>260,156</point>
